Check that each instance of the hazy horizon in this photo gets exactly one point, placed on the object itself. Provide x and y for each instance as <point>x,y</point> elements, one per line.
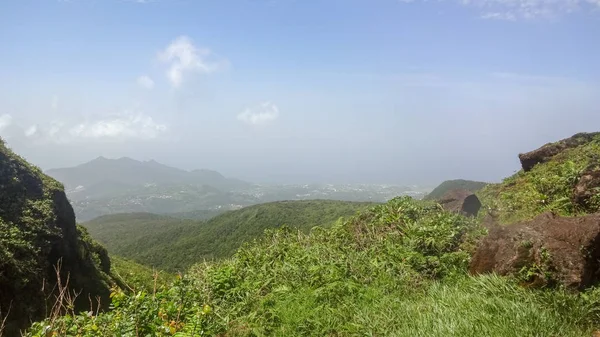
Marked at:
<point>398,92</point>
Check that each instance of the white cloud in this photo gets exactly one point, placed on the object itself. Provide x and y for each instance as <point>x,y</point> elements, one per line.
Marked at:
<point>183,57</point>
<point>31,131</point>
<point>5,120</point>
<point>145,82</point>
<point>499,16</point>
<point>128,125</point>
<point>55,128</point>
<point>260,115</point>
<point>512,10</point>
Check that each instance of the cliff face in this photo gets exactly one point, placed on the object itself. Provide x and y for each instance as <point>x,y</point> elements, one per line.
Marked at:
<point>38,232</point>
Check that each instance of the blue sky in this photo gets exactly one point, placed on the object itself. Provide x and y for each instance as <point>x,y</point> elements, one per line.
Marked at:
<point>299,91</point>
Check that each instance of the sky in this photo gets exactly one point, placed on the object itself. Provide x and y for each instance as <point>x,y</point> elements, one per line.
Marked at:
<point>299,91</point>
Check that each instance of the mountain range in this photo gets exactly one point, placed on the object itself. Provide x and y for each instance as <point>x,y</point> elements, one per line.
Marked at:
<point>101,175</point>
<point>111,186</point>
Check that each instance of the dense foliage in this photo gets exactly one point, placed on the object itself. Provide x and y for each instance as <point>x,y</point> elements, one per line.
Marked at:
<point>449,185</point>
<point>134,277</point>
<point>123,232</point>
<point>398,269</point>
<point>37,235</point>
<point>174,245</point>
<point>547,187</point>
<point>203,214</point>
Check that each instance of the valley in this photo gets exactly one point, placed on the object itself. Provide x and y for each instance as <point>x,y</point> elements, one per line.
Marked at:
<point>111,186</point>
<point>174,245</point>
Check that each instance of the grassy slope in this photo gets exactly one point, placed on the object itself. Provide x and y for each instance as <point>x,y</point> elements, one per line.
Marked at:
<point>398,269</point>
<point>174,245</point>
<point>196,215</point>
<point>119,231</point>
<point>138,277</point>
<point>547,187</point>
<point>449,185</point>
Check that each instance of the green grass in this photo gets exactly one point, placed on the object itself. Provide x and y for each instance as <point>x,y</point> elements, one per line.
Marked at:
<point>547,187</point>
<point>174,245</point>
<point>469,306</point>
<point>398,269</point>
<point>136,277</point>
<point>448,185</point>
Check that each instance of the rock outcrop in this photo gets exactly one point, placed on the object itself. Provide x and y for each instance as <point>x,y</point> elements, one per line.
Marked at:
<point>548,249</point>
<point>586,193</point>
<point>38,233</point>
<point>546,152</point>
<point>461,201</point>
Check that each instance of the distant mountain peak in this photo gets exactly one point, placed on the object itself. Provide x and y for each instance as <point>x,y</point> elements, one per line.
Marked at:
<point>127,159</point>
<point>132,172</point>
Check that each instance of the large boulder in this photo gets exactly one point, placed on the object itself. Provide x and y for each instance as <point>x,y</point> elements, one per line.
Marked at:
<point>586,193</point>
<point>461,201</point>
<point>548,249</point>
<point>546,152</point>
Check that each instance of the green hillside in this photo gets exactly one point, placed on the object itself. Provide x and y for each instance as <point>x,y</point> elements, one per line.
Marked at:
<point>450,185</point>
<point>548,186</point>
<point>118,232</point>
<point>197,215</point>
<point>174,244</point>
<point>398,269</point>
<point>41,247</point>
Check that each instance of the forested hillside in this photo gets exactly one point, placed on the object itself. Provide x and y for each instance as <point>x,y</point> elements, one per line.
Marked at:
<point>197,214</point>
<point>175,244</point>
<point>120,233</point>
<point>41,248</point>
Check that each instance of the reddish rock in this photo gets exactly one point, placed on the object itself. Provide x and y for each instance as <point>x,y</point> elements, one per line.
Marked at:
<point>586,193</point>
<point>546,152</point>
<point>568,248</point>
<point>461,201</point>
